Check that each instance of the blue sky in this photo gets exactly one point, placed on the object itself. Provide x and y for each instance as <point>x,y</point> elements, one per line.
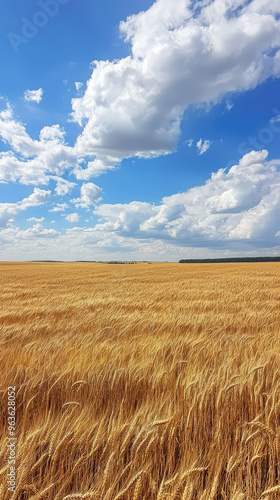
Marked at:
<point>139,130</point>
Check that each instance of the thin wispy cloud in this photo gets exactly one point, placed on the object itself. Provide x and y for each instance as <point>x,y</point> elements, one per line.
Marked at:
<point>229,105</point>
<point>79,86</point>
<point>203,146</point>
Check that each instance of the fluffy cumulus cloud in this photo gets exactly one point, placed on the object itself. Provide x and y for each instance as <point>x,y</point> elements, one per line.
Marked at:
<point>60,207</point>
<point>90,195</point>
<point>94,168</point>
<point>182,53</point>
<point>63,186</point>
<point>235,210</point>
<point>72,218</point>
<point>33,95</point>
<point>32,162</point>
<point>52,136</point>
<point>35,219</point>
<point>37,231</point>
<point>30,241</point>
<point>8,210</point>
<point>241,204</point>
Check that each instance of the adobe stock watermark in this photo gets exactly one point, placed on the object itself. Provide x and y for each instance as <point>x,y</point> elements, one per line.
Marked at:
<point>265,136</point>
<point>11,440</point>
<point>31,27</point>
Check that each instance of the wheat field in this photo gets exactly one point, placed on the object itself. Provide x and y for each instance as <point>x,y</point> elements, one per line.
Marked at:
<point>141,382</point>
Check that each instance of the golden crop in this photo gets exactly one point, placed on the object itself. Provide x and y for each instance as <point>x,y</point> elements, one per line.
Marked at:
<point>142,382</point>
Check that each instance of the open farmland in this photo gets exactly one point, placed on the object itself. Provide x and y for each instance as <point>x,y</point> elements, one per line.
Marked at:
<point>142,382</point>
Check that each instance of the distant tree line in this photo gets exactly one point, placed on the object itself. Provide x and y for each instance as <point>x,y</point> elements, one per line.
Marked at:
<point>126,262</point>
<point>230,259</point>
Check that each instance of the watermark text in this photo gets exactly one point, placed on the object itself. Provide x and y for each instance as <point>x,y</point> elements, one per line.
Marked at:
<point>11,439</point>
<point>31,27</point>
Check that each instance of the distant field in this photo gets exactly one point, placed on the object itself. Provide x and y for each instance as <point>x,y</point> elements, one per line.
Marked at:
<point>142,382</point>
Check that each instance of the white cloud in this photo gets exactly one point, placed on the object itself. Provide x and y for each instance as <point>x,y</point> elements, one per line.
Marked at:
<point>32,161</point>
<point>126,218</point>
<point>180,55</point>
<point>189,143</point>
<point>203,146</point>
<point>275,119</point>
<point>235,211</point>
<point>78,86</point>
<point>95,168</point>
<point>33,95</point>
<point>72,217</point>
<point>90,195</point>
<point>60,207</point>
<point>52,135</point>
<point>18,238</point>
<point>37,231</point>
<point>63,187</point>
<point>35,219</point>
<point>238,205</point>
<point>14,133</point>
<point>229,105</point>
<point>38,197</point>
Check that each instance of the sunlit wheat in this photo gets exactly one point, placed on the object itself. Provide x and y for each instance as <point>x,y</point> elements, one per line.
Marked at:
<point>142,382</point>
